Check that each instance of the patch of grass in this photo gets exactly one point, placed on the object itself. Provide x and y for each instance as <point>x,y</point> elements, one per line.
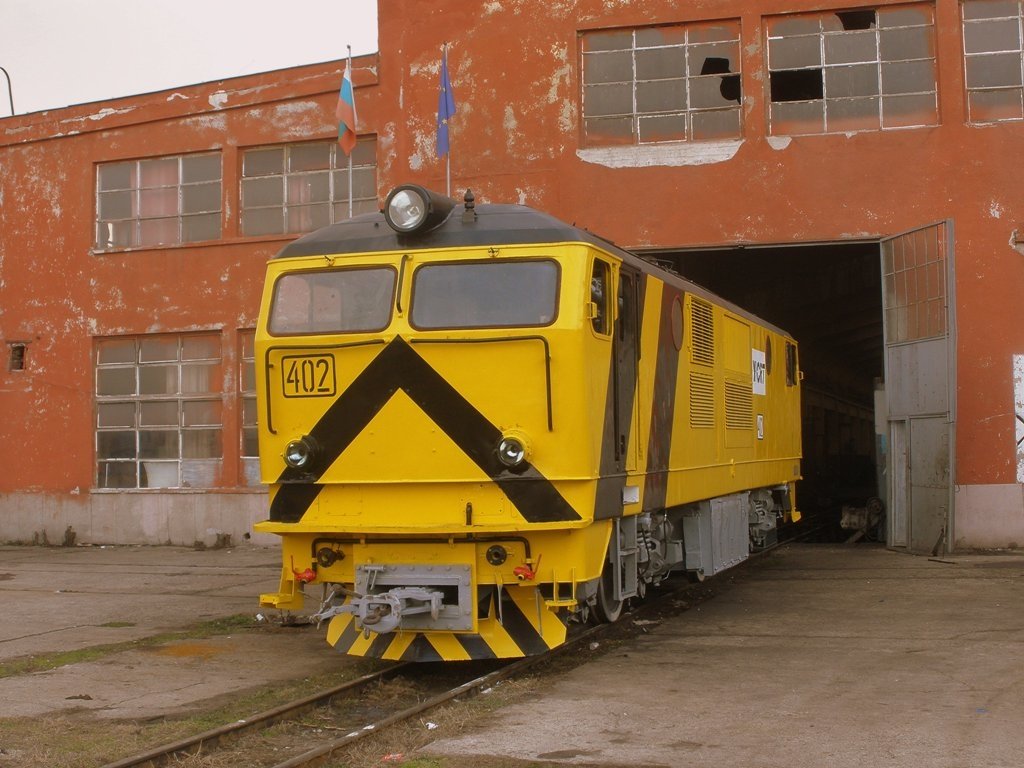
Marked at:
<point>47,661</point>
<point>118,624</point>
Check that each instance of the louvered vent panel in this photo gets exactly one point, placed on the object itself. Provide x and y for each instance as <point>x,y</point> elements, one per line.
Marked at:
<point>702,321</point>
<point>739,405</point>
<point>702,401</point>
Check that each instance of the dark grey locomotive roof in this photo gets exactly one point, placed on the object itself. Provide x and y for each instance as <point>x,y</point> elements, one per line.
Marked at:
<point>492,224</point>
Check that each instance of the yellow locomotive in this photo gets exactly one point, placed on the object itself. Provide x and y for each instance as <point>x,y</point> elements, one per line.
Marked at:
<point>479,423</point>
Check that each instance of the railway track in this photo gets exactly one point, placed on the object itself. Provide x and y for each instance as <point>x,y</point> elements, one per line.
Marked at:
<point>430,688</point>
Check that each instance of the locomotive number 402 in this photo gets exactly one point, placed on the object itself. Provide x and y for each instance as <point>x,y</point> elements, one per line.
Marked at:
<point>308,376</point>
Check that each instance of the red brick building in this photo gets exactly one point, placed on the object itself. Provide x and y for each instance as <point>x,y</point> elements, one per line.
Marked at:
<point>848,173</point>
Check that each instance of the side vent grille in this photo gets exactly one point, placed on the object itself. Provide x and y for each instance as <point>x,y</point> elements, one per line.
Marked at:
<point>739,405</point>
<point>702,401</point>
<point>702,321</point>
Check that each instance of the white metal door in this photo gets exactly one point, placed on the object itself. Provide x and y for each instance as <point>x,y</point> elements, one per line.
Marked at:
<point>920,365</point>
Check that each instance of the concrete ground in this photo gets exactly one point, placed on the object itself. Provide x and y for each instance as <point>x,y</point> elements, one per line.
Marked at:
<point>56,600</point>
<point>818,656</point>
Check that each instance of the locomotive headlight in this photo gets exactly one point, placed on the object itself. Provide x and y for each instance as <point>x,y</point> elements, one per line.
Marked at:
<point>411,208</point>
<point>299,453</point>
<point>511,451</point>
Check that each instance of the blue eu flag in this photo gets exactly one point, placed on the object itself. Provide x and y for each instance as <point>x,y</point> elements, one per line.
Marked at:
<point>445,106</point>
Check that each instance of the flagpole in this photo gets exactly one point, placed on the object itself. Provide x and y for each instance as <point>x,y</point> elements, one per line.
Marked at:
<point>353,128</point>
<point>448,156</point>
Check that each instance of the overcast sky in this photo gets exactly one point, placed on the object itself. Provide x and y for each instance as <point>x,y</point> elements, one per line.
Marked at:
<point>61,52</point>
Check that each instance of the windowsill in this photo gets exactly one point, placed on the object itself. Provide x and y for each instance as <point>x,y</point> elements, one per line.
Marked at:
<point>260,489</point>
<point>202,244</point>
<point>679,153</point>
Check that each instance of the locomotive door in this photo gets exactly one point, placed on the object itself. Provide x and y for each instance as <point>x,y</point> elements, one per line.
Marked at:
<point>920,365</point>
<point>625,350</point>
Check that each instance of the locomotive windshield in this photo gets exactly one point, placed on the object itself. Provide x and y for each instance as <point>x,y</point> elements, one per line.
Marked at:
<point>490,294</point>
<point>333,301</point>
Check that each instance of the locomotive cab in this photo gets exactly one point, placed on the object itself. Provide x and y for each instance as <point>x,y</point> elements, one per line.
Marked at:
<point>468,425</point>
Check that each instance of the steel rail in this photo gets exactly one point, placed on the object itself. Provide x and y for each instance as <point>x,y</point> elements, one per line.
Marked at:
<point>161,755</point>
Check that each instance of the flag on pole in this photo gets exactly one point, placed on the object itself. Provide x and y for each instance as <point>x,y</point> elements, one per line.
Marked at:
<point>346,112</point>
<point>445,105</point>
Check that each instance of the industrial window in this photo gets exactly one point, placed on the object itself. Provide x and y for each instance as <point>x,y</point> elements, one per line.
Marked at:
<point>859,70</point>
<point>158,411</point>
<point>993,32</point>
<point>301,187</point>
<point>250,449</point>
<point>158,201</point>
<point>656,84</point>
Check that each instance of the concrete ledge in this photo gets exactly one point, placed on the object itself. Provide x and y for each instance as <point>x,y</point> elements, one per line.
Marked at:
<point>989,517</point>
<point>179,518</point>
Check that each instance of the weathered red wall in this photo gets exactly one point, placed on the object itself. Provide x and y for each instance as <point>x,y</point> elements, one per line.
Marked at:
<point>58,295</point>
<point>515,137</point>
<point>515,73</point>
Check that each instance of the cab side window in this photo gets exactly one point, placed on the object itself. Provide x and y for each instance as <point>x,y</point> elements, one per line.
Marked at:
<point>600,292</point>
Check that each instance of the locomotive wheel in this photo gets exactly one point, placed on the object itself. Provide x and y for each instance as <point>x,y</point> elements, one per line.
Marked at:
<point>607,609</point>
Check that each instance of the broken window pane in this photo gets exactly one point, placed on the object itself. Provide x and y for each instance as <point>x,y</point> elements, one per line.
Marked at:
<point>710,92</point>
<point>796,85</point>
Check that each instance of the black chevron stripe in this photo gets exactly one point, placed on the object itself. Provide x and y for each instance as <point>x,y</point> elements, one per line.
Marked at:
<point>476,647</point>
<point>662,406</point>
<point>420,649</point>
<point>398,366</point>
<point>347,638</point>
<point>520,629</point>
<point>380,644</point>
<point>612,479</point>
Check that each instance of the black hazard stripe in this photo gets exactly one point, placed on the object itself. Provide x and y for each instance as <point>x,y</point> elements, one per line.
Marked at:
<point>398,366</point>
<point>612,479</point>
<point>662,406</point>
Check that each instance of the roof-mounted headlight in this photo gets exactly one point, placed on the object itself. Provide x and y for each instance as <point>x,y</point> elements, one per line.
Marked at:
<point>410,208</point>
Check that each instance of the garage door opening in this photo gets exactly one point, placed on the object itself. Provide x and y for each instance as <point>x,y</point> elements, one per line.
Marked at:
<point>829,297</point>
